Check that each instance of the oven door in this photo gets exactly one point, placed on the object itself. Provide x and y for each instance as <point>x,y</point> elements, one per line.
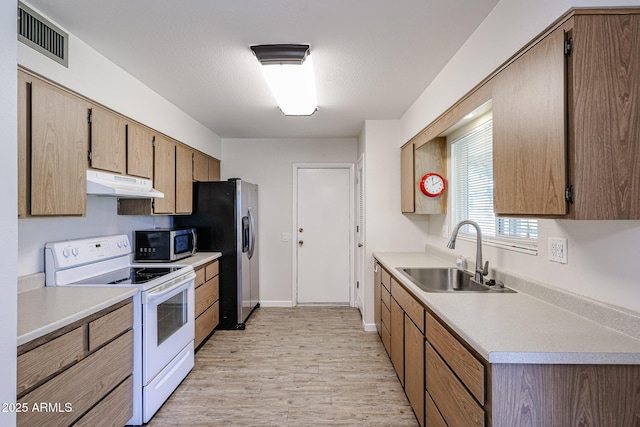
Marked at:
<point>168,323</point>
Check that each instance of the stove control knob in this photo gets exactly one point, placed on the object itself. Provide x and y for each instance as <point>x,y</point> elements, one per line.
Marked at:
<point>75,251</point>
<point>119,244</point>
<point>66,252</point>
<point>125,243</point>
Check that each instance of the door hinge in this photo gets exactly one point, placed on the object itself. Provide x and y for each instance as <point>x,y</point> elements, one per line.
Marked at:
<point>89,116</point>
<point>357,284</point>
<point>568,46</point>
<point>568,194</point>
<point>153,204</point>
<point>89,155</point>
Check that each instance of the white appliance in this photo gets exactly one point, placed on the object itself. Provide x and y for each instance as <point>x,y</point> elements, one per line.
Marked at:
<point>163,310</point>
<point>113,185</point>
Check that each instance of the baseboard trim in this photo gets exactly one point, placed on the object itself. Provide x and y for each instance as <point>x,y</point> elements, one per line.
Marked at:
<point>369,327</point>
<point>287,304</point>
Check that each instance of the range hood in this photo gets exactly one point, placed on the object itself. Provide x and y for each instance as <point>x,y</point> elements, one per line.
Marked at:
<point>123,186</point>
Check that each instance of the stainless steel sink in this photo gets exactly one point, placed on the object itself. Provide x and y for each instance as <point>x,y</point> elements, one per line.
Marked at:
<point>448,280</point>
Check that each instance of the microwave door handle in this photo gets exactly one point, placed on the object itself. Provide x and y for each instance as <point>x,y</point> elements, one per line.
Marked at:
<point>195,241</point>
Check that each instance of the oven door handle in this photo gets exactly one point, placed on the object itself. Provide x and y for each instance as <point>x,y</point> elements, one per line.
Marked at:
<point>178,284</point>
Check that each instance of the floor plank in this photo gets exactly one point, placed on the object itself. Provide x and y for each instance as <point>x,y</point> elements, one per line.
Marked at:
<point>303,366</point>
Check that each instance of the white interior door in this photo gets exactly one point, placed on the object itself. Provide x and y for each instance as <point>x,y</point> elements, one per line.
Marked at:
<point>323,235</point>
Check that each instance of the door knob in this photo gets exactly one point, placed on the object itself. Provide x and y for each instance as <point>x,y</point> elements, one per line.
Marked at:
<point>300,242</point>
<point>359,245</point>
<point>300,229</point>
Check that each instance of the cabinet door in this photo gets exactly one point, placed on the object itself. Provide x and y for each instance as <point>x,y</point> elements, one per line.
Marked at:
<point>184,179</point>
<point>407,191</point>
<point>397,339</point>
<point>164,175</point>
<point>108,141</point>
<point>24,109</point>
<point>529,132</point>
<point>139,151</point>
<point>200,167</point>
<point>214,169</point>
<point>59,144</point>
<point>606,116</point>
<point>414,367</point>
<point>377,297</point>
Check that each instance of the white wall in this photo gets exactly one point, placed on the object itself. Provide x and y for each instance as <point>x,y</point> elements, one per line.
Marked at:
<point>386,228</point>
<point>601,253</point>
<point>269,163</point>
<point>9,208</point>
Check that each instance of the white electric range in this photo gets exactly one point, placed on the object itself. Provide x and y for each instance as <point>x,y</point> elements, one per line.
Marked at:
<point>163,310</point>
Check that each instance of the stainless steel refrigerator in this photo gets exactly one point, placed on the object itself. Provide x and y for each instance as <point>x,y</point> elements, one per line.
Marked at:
<point>225,215</point>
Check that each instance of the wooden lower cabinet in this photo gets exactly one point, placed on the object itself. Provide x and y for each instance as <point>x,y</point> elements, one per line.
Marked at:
<point>414,367</point>
<point>64,379</point>
<point>207,295</point>
<point>449,384</point>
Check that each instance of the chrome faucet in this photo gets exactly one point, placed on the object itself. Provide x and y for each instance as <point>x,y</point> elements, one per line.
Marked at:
<point>481,270</point>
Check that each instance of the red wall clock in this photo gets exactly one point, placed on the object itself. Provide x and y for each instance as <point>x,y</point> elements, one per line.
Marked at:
<point>432,184</point>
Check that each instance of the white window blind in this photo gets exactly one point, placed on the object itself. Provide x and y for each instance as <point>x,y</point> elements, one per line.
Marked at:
<point>472,188</point>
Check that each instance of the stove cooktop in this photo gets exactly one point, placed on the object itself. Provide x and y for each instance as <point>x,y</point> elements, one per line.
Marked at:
<point>129,275</point>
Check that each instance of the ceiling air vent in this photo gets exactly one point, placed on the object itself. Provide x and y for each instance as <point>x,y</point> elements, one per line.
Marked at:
<point>37,32</point>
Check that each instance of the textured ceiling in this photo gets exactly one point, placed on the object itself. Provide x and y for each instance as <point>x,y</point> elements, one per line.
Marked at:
<point>372,58</point>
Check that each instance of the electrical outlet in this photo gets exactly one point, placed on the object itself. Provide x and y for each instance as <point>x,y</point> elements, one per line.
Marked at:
<point>445,231</point>
<point>557,250</point>
<point>285,236</point>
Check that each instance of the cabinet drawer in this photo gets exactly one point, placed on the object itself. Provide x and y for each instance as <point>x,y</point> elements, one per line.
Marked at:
<point>385,296</point>
<point>469,369</point>
<point>456,405</point>
<point>206,295</point>
<point>200,276</point>
<point>206,323</point>
<point>386,338</point>
<point>109,326</point>
<point>211,270</point>
<point>51,357</point>
<point>82,385</point>
<point>433,417</point>
<point>413,308</point>
<point>117,407</point>
<point>385,316</point>
<point>386,279</point>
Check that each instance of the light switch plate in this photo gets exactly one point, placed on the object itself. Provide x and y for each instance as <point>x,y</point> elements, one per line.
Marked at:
<point>557,250</point>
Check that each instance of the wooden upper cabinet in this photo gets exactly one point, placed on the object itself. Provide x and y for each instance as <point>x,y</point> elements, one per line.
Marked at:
<point>200,167</point>
<point>566,129</point>
<point>529,131</point>
<point>184,182</point>
<point>214,169</point>
<point>604,118</point>
<point>407,169</point>
<point>139,151</point>
<point>164,175</point>
<point>59,145</point>
<point>108,141</point>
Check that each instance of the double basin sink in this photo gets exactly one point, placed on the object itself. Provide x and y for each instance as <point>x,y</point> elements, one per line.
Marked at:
<point>448,280</point>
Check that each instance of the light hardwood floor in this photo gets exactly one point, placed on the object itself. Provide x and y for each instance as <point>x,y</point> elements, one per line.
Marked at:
<point>303,366</point>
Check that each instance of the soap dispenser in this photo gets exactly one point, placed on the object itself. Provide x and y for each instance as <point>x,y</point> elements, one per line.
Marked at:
<point>460,263</point>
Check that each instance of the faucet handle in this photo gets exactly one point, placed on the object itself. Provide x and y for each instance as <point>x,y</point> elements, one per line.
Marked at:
<point>485,269</point>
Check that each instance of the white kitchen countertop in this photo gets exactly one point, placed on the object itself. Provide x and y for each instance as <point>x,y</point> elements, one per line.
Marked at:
<point>44,309</point>
<point>47,309</point>
<point>517,327</point>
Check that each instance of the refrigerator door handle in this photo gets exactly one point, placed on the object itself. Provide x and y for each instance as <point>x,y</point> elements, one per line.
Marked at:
<point>245,234</point>
<point>253,233</point>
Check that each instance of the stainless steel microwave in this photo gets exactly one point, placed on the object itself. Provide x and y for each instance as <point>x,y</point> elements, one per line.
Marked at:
<point>164,245</point>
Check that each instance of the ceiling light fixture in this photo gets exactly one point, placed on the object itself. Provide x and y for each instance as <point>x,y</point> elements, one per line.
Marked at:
<point>288,70</point>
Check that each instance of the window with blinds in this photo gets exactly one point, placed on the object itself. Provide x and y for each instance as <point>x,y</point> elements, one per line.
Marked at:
<point>472,194</point>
